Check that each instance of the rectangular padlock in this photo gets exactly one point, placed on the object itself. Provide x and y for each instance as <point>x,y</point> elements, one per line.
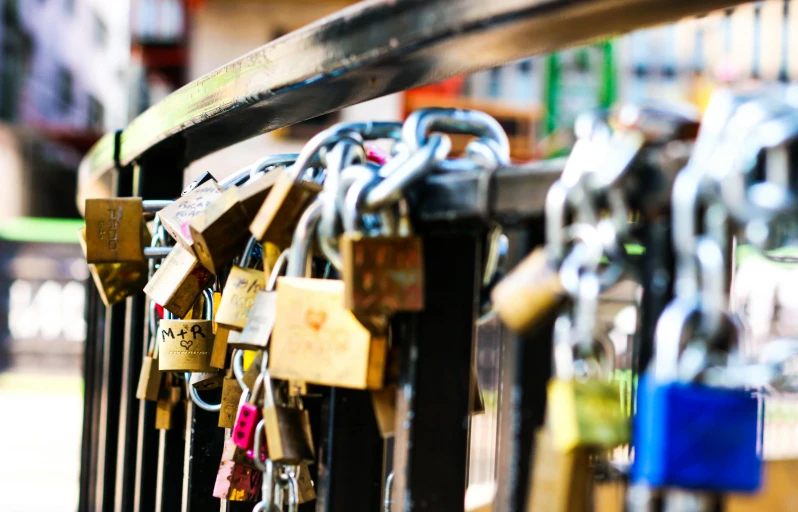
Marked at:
<point>237,482</point>
<point>115,230</point>
<point>115,281</point>
<point>149,380</point>
<point>382,274</point>
<point>231,397</point>
<point>560,481</point>
<point>260,322</point>
<point>220,354</point>
<point>185,345</point>
<point>693,436</point>
<point>280,212</point>
<point>242,285</point>
<point>178,282</point>
<point>219,233</point>
<point>176,217</point>
<point>586,414</point>
<point>317,340</point>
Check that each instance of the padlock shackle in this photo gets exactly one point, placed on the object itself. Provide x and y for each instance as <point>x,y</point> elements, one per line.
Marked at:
<point>198,401</point>
<point>246,256</point>
<point>284,159</point>
<point>279,267</point>
<point>353,201</point>
<point>303,237</point>
<point>155,205</point>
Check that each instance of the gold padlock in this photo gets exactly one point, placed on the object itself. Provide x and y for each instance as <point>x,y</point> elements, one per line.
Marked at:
<point>186,345</point>
<point>529,293</point>
<point>203,381</point>
<point>561,481</point>
<point>239,293</point>
<point>287,199</point>
<point>316,339</point>
<point>288,434</point>
<point>169,397</point>
<point>260,321</point>
<point>220,354</point>
<point>306,489</point>
<point>150,376</point>
<point>115,230</point>
<point>231,396</point>
<point>219,232</point>
<point>115,281</point>
<point>178,282</point>
<point>176,216</point>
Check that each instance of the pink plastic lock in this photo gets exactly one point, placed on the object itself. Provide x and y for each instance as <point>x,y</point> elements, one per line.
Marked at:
<point>244,431</point>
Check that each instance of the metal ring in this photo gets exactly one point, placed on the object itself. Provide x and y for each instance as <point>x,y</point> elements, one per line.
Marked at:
<point>451,120</point>
<point>279,265</point>
<point>303,237</point>
<point>198,401</point>
<point>238,368</point>
<point>257,447</point>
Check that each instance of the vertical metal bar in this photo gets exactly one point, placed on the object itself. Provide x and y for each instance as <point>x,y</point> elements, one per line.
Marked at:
<point>92,357</point>
<point>129,407</point>
<point>204,444</point>
<point>431,434</point>
<point>169,478</point>
<point>525,370</point>
<point>350,454</point>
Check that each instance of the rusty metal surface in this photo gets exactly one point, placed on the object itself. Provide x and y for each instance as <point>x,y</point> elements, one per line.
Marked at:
<point>362,52</point>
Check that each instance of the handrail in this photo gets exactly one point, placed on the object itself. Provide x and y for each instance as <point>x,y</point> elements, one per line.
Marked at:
<point>365,51</point>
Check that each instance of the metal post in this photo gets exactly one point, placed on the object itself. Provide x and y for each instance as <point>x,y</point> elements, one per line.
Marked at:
<point>431,434</point>
<point>204,444</point>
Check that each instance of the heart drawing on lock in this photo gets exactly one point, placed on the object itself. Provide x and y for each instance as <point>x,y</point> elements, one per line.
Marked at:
<point>186,344</point>
<point>315,318</point>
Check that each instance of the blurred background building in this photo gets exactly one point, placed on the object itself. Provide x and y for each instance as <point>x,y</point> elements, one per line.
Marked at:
<point>71,70</point>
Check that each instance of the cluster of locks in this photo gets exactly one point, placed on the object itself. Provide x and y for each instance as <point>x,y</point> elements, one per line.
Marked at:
<point>285,276</point>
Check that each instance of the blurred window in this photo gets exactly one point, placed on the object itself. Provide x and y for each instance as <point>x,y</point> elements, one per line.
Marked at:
<point>69,6</point>
<point>100,32</point>
<point>65,89</point>
<point>96,113</point>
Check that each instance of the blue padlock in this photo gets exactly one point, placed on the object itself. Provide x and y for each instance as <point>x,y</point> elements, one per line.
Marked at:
<point>689,435</point>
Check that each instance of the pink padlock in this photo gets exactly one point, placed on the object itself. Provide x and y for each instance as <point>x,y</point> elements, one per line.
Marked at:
<point>236,482</point>
<point>249,414</point>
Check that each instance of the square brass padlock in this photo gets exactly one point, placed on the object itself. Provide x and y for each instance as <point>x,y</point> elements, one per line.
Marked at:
<point>116,281</point>
<point>115,230</point>
<point>176,217</point>
<point>178,281</point>
<point>280,212</point>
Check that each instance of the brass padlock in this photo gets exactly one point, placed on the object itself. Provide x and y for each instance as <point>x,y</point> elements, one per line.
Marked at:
<point>529,293</point>
<point>176,217</point>
<point>561,481</point>
<point>316,339</point>
<point>306,488</point>
<point>150,376</point>
<point>287,199</point>
<point>385,273</point>
<point>260,322</point>
<point>239,293</point>
<point>115,281</point>
<point>186,345</point>
<point>384,403</point>
<point>220,353</point>
<point>203,381</point>
<point>251,367</point>
<point>178,282</point>
<point>169,396</point>
<point>231,396</point>
<point>288,436</point>
<point>115,230</point>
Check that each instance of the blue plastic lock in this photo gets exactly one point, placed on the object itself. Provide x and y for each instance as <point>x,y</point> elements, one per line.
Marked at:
<point>693,436</point>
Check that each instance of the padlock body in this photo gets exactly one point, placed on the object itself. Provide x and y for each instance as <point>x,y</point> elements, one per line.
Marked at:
<point>252,195</point>
<point>586,414</point>
<point>115,281</point>
<point>317,340</point>
<point>204,381</point>
<point>177,216</point>
<point>307,491</point>
<point>696,437</point>
<point>186,345</point>
<point>560,480</point>
<point>238,297</point>
<point>115,230</point>
<point>178,282</point>
<point>219,355</point>
<point>277,217</point>
<point>288,435</point>
<point>219,233</point>
<point>149,380</point>
<point>528,294</point>
<point>237,482</point>
<point>260,322</point>
<point>244,431</point>
<point>231,397</point>
<point>382,273</point>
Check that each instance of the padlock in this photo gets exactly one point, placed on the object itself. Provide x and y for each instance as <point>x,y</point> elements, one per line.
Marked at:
<point>115,281</point>
<point>316,339</point>
<point>231,396</point>
<point>169,396</point>
<point>115,230</point>
<point>252,193</point>
<point>249,414</point>
<point>384,273</point>
<point>204,381</point>
<point>236,481</point>
<point>220,353</point>
<point>178,282</point>
<point>560,481</point>
<point>384,403</point>
<point>688,434</point>
<point>186,345</point>
<point>150,376</point>
<point>288,434</point>
<point>529,293</point>
<point>306,488</point>
<point>260,322</point>
<point>251,362</point>
<point>239,293</point>
<point>176,216</point>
